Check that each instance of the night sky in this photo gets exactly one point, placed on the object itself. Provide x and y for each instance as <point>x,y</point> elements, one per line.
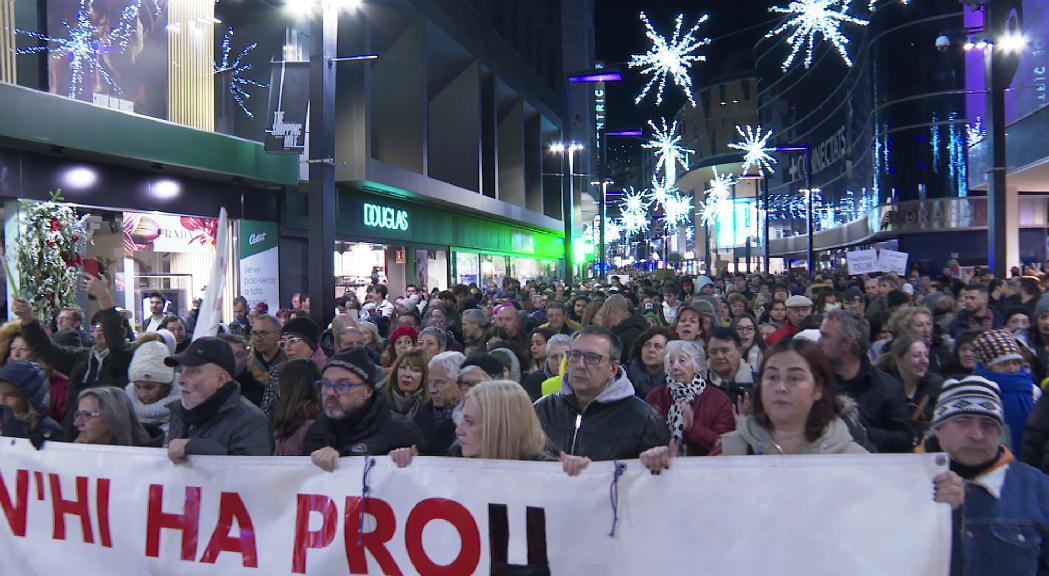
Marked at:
<point>621,33</point>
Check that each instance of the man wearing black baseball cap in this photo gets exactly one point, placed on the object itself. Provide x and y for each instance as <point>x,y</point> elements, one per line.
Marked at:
<point>212,418</point>
<point>357,418</point>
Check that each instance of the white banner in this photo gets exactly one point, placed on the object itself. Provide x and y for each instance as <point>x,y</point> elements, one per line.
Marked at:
<point>211,309</point>
<point>107,510</point>
<point>862,262</point>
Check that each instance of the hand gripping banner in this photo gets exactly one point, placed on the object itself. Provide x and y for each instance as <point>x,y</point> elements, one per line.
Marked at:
<point>114,510</point>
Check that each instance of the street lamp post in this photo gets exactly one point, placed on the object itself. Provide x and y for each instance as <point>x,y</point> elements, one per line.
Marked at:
<point>568,208</point>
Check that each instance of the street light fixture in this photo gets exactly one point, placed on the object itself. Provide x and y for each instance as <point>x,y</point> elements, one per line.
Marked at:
<point>562,149</point>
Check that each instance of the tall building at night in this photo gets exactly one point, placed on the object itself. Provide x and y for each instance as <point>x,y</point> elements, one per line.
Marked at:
<point>441,159</point>
<point>889,138</point>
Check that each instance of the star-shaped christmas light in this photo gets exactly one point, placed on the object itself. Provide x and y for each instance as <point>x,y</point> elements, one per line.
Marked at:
<point>676,210</point>
<point>660,190</point>
<point>809,18</point>
<point>756,150</point>
<point>717,196</point>
<point>86,43</point>
<point>238,82</point>
<point>667,145</point>
<point>673,58</point>
<point>634,209</point>
<point>974,132</point>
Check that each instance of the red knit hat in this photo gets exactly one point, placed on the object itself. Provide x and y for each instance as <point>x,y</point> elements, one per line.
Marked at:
<point>404,330</point>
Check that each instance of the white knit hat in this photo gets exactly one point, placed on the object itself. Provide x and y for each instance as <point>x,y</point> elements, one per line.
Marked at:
<point>148,364</point>
<point>972,395</point>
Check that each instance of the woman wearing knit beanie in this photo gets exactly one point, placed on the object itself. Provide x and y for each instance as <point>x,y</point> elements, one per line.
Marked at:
<point>151,386</point>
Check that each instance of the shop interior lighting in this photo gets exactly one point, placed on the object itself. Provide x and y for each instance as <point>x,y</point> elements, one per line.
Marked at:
<point>80,178</point>
<point>166,189</point>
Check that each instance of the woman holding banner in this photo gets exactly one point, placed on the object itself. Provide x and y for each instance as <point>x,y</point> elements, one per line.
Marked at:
<point>498,423</point>
<point>794,411</point>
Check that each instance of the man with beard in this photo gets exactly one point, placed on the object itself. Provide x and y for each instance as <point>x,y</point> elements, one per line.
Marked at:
<point>357,418</point>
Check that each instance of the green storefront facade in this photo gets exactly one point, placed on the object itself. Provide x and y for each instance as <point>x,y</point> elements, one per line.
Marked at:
<point>423,243</point>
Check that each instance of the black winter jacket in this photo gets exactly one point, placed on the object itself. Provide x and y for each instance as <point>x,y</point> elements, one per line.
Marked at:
<point>1034,449</point>
<point>238,428</point>
<point>883,408</point>
<point>628,330</point>
<point>617,425</point>
<point>374,430</point>
<point>76,362</point>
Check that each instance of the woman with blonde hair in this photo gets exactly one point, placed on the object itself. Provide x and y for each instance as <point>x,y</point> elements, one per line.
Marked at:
<point>499,423</point>
<point>406,382</point>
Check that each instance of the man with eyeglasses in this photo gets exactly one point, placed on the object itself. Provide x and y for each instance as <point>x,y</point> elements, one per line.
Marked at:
<point>357,419</point>
<point>727,369</point>
<point>596,413</point>
<point>266,353</point>
<point>211,418</point>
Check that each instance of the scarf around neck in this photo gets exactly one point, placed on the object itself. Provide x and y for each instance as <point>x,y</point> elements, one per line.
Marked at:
<point>686,392</point>
<point>207,409</point>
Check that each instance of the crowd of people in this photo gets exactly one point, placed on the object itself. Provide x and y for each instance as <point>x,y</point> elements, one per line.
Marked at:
<point>655,367</point>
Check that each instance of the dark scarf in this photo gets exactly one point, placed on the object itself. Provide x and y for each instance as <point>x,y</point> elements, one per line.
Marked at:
<point>442,414</point>
<point>970,472</point>
<point>210,407</point>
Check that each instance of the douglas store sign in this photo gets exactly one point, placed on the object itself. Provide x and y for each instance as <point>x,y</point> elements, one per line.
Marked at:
<point>378,216</point>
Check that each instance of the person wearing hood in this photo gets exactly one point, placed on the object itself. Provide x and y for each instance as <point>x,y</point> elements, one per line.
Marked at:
<point>14,347</point>
<point>704,286</point>
<point>24,403</point>
<point>696,414</point>
<point>625,323</point>
<point>357,418</point>
<point>596,414</point>
<point>151,387</point>
<point>1000,361</point>
<point>556,347</point>
<point>511,364</point>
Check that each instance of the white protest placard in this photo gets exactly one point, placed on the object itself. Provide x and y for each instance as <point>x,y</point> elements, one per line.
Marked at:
<point>893,261</point>
<point>108,509</point>
<point>862,261</point>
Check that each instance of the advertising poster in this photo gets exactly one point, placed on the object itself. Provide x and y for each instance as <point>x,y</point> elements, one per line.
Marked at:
<point>125,65</point>
<point>259,280</point>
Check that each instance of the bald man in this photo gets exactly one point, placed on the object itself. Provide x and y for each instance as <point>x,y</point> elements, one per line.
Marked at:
<point>623,321</point>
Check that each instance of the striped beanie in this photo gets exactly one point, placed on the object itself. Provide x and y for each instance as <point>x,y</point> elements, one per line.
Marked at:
<point>996,346</point>
<point>973,395</point>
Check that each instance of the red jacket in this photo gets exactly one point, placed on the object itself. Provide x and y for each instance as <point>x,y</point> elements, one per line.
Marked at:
<point>787,331</point>
<point>712,417</point>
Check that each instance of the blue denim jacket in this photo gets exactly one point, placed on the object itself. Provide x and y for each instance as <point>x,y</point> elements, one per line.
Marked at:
<point>1005,534</point>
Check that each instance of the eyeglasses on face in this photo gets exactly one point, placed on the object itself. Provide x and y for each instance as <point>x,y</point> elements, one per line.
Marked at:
<point>84,415</point>
<point>285,342</point>
<point>592,358</point>
<point>341,387</point>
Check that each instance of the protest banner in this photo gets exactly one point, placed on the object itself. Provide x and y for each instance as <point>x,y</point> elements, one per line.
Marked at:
<point>892,261</point>
<point>862,262</point>
<point>109,510</point>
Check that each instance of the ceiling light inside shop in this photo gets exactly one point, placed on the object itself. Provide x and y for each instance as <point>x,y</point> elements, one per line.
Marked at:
<point>166,189</point>
<point>80,178</point>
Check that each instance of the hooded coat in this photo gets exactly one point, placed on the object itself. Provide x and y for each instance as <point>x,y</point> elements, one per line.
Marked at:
<point>36,393</point>
<point>751,438</point>
<point>158,413</point>
<point>57,382</point>
<point>617,425</point>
